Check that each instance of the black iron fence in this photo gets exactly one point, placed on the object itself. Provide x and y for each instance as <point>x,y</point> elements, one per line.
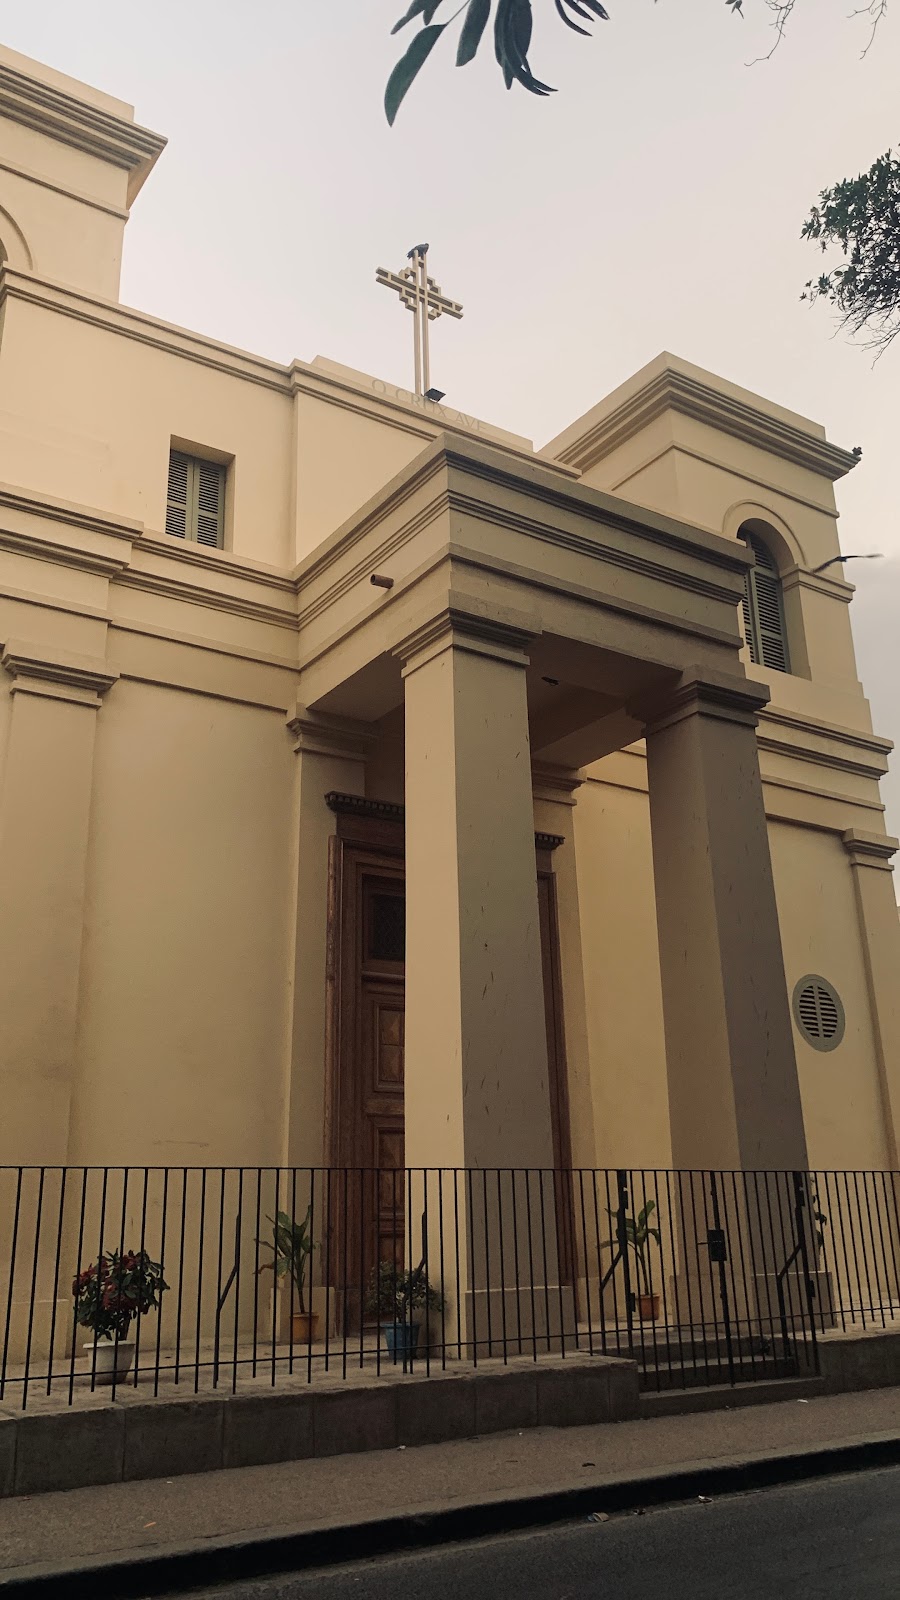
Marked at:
<point>174,1279</point>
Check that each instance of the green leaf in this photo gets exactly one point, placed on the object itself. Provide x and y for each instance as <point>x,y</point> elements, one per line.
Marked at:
<point>473,28</point>
<point>419,8</point>
<point>405,71</point>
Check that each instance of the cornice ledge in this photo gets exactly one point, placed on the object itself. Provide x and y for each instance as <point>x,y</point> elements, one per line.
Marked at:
<point>321,735</point>
<point>870,849</point>
<point>464,624</point>
<point>596,505</point>
<point>703,692</point>
<point>72,121</point>
<point>140,326</point>
<point>63,674</point>
<point>677,391</point>
<point>14,498</point>
<point>828,730</point>
<point>556,784</point>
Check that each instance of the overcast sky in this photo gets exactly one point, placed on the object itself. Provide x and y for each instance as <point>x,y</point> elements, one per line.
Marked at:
<point>654,203</point>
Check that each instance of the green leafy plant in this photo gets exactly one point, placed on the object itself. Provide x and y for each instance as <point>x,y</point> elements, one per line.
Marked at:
<point>513,20</point>
<point>393,1295</point>
<point>291,1248</point>
<point>861,217</point>
<point>115,1289</point>
<point>635,1233</point>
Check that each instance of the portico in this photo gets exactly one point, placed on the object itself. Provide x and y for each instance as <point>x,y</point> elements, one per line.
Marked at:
<point>522,619</point>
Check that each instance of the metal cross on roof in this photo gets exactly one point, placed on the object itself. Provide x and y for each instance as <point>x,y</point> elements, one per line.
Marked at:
<point>422,296</point>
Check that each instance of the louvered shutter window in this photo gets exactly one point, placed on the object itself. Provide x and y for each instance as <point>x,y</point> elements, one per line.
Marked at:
<point>763,609</point>
<point>195,506</point>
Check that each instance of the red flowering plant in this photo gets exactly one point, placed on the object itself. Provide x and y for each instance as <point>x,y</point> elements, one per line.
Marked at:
<point>112,1291</point>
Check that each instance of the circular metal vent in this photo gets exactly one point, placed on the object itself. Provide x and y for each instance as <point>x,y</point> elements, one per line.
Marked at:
<point>819,1013</point>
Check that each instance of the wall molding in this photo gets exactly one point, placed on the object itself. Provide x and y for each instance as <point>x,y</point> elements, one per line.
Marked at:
<point>57,675</point>
<point>673,390</point>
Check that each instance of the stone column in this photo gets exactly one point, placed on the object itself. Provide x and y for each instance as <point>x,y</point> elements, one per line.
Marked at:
<point>331,757</point>
<point>45,804</point>
<point>734,1095</point>
<point>477,1092</point>
<point>879,929</point>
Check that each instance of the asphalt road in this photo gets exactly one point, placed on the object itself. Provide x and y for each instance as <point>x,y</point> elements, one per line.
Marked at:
<point>830,1539</point>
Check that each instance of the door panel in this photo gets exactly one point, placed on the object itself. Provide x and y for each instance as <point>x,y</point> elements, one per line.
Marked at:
<point>367,1073</point>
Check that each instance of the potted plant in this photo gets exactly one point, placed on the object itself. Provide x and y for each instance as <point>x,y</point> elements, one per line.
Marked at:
<point>401,1301</point>
<point>291,1248</point>
<point>108,1295</point>
<point>637,1236</point>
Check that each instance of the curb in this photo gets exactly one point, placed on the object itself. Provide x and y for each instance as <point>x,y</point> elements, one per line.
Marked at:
<point>181,1568</point>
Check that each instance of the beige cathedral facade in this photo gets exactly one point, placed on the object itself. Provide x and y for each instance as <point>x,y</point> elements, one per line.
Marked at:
<point>378,789</point>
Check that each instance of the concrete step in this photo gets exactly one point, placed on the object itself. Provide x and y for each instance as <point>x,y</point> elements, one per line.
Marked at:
<point>725,1396</point>
<point>714,1373</point>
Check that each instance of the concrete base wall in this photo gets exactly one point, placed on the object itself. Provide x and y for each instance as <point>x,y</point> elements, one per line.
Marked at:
<point>130,1438</point>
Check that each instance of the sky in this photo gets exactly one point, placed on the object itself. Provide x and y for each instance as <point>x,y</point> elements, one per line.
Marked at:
<point>655,202</point>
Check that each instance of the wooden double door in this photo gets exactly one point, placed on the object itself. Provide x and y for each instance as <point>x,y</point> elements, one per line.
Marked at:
<point>365,1107</point>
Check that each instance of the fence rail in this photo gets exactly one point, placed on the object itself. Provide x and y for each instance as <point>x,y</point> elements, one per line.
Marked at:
<point>165,1279</point>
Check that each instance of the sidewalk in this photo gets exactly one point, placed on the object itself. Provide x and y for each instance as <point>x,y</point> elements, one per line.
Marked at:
<point>57,1536</point>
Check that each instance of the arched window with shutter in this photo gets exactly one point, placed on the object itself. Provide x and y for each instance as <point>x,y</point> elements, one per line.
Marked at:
<point>763,607</point>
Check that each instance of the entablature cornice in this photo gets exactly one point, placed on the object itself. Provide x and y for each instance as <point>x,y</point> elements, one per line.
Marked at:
<point>825,744</point>
<point>73,121</point>
<point>672,390</point>
<point>870,849</point>
<point>57,674</point>
<point>463,623</point>
<point>702,692</point>
<point>104,546</point>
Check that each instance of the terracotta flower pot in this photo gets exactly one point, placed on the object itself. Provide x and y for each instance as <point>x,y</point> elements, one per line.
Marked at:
<point>648,1307</point>
<point>304,1327</point>
<point>111,1361</point>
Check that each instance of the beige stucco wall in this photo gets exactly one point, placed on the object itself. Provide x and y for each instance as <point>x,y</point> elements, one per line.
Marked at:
<point>190,949</point>
<point>622,982</point>
<point>181,1029</point>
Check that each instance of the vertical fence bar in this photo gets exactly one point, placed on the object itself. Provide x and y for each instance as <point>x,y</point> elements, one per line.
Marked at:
<point>426,1317</point>
<point>33,1296</point>
<point>865,1253</point>
<point>440,1204</point>
<point>162,1264</point>
<point>345,1268</point>
<point>312,1235</point>
<point>840,1278</point>
<point>201,1233</point>
<point>12,1275</point>
<point>181,1248</point>
<point>544,1271</point>
<point>889,1268</point>
<point>500,1243</point>
<point>219,1254</point>
<point>137,1331</point>
<point>100,1259</point>
<point>238,1253</point>
<point>472,1273</point>
<point>84,1183</point>
<point>676,1292</point>
<point>55,1299</point>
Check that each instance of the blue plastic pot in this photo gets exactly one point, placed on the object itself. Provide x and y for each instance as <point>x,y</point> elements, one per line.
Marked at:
<point>402,1340</point>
